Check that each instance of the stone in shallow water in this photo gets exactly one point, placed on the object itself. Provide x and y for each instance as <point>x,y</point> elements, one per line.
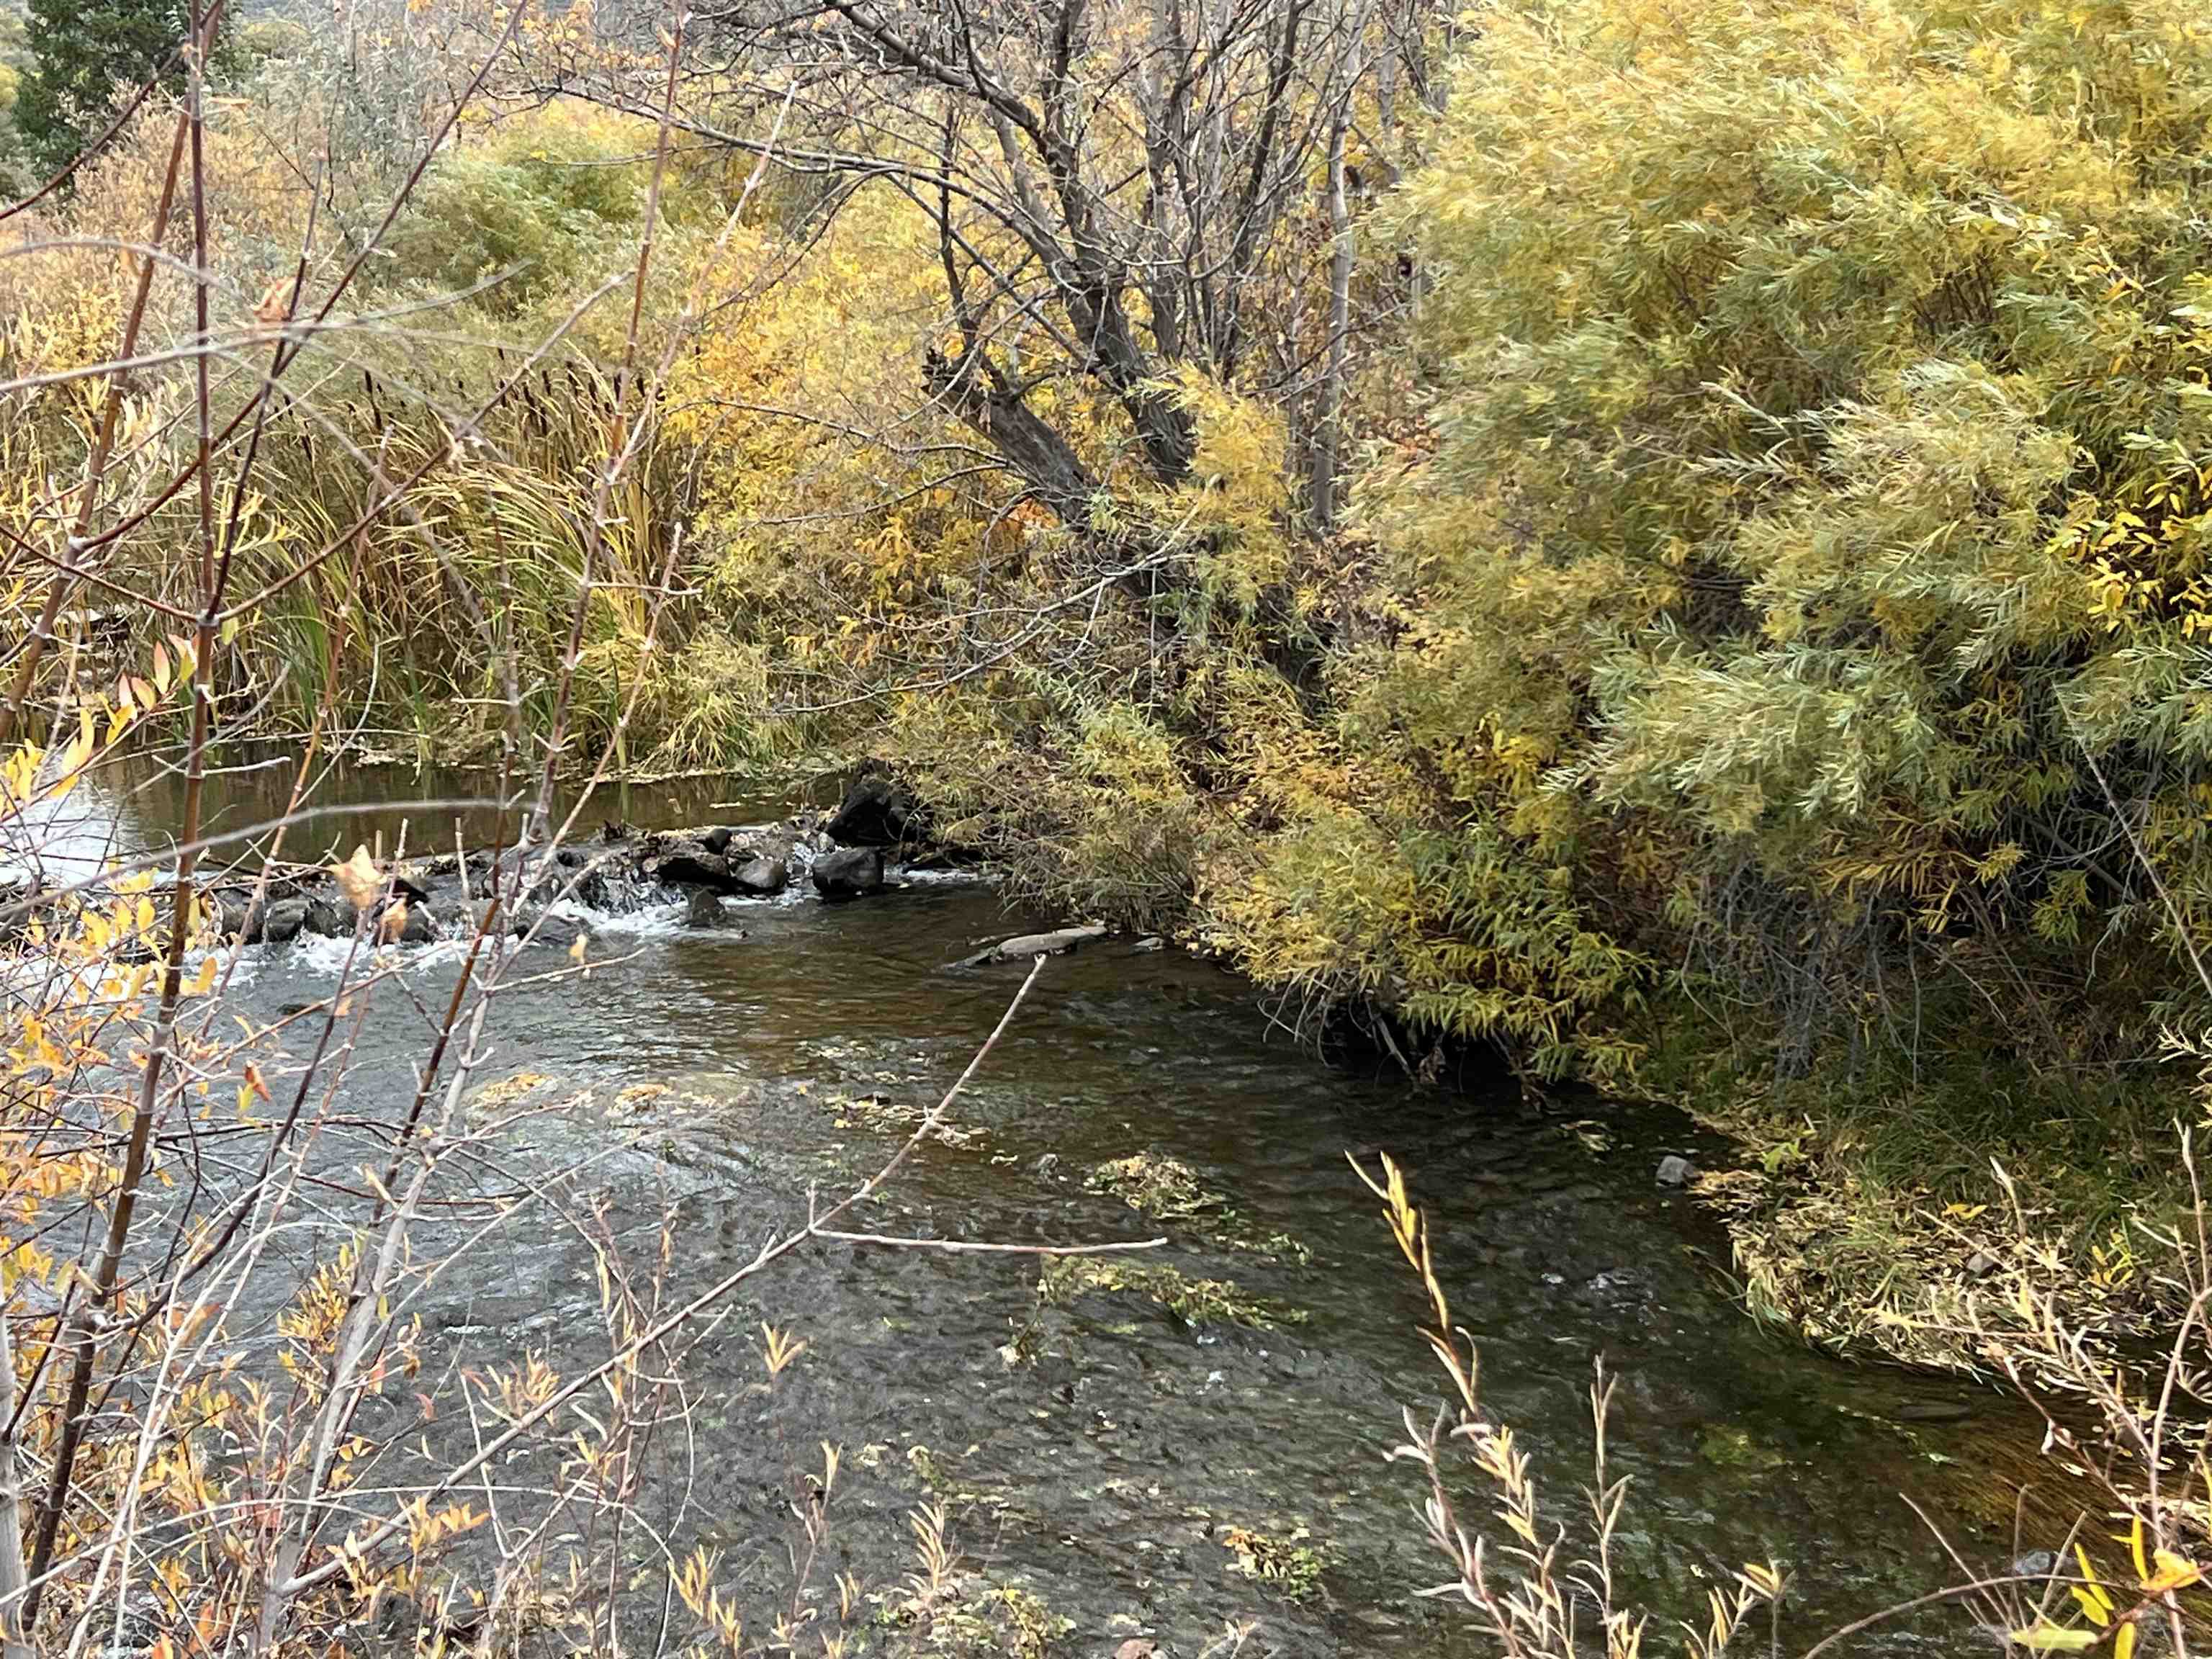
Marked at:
<point>560,930</point>
<point>282,923</point>
<point>688,864</point>
<point>704,910</point>
<point>849,873</point>
<point>1676,1171</point>
<point>762,876</point>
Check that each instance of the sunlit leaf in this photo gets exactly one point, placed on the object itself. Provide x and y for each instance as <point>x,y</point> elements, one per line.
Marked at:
<point>2055,1639</point>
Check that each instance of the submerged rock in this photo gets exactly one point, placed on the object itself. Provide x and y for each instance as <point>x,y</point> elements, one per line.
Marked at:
<point>1676,1171</point>
<point>849,872</point>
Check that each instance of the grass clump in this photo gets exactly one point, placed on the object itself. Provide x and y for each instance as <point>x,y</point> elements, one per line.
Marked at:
<point>1876,1215</point>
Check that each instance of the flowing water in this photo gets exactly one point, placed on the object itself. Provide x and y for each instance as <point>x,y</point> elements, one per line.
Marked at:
<point>1103,1455</point>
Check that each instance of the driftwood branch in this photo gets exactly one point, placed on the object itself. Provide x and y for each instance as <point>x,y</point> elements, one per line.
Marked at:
<point>1022,945</point>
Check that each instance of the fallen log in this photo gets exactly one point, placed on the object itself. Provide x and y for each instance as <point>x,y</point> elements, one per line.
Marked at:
<point>1022,947</point>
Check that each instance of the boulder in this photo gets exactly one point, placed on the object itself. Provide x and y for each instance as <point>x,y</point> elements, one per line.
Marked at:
<point>849,872</point>
<point>1676,1171</point>
<point>717,840</point>
<point>329,919</point>
<point>283,922</point>
<point>571,874</point>
<point>546,880</point>
<point>237,917</point>
<point>877,810</point>
<point>761,875</point>
<point>704,910</point>
<point>689,864</point>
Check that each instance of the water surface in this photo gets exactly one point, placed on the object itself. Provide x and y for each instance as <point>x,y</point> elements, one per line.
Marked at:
<point>1100,1456</point>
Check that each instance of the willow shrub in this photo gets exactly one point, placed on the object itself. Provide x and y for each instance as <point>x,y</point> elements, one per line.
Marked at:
<point>1818,487</point>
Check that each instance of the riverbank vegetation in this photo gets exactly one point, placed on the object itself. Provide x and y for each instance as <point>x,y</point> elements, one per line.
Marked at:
<point>1666,546</point>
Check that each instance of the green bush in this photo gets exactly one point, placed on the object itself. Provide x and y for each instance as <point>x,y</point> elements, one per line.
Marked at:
<point>531,207</point>
<point>1820,486</point>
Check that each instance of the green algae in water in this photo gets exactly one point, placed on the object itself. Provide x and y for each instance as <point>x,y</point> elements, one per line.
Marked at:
<point>1168,1189</point>
<point>1725,1447</point>
<point>1164,1188</point>
<point>1290,1564</point>
<point>970,1617</point>
<point>1194,1301</point>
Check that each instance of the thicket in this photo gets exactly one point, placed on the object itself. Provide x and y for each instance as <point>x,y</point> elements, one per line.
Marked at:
<point>1808,572</point>
<point>1761,657</point>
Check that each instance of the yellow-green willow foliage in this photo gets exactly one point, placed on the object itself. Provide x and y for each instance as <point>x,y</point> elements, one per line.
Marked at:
<point>1820,484</point>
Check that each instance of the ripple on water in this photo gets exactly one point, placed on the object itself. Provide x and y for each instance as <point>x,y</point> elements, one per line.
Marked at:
<point>1122,1465</point>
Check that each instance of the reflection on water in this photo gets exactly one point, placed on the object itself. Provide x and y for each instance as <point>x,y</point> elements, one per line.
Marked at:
<point>1106,1467</point>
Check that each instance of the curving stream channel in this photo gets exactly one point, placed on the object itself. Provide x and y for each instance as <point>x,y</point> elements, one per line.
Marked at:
<point>1105,1454</point>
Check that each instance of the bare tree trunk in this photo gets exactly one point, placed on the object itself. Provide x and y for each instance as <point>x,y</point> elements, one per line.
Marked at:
<point>1329,405</point>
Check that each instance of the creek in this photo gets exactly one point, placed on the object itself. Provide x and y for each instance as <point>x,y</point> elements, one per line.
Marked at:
<point>1107,1455</point>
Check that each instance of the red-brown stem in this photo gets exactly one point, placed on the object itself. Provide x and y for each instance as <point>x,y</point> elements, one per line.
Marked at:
<point>85,1348</point>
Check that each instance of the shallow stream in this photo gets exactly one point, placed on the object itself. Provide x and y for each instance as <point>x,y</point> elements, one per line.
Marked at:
<point>1106,1455</point>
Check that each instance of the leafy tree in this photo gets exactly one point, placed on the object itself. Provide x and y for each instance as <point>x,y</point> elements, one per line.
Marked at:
<point>83,54</point>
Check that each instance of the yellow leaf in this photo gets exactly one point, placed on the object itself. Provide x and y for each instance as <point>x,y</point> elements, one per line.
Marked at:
<point>2092,1604</point>
<point>2054,1639</point>
<point>357,878</point>
<point>2174,1573</point>
<point>2093,1600</point>
<point>2124,1644</point>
